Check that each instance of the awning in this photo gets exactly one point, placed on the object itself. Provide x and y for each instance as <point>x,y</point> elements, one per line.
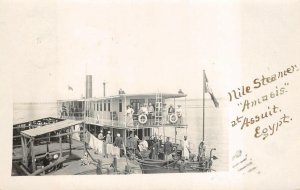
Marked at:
<point>25,120</point>
<point>49,128</point>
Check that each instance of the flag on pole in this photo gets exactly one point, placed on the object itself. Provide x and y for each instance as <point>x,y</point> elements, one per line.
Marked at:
<point>208,90</point>
<point>70,88</point>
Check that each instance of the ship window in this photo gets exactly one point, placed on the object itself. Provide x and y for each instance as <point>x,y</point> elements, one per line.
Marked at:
<point>120,105</point>
<point>101,106</point>
<point>97,106</point>
<point>104,105</point>
<point>108,105</point>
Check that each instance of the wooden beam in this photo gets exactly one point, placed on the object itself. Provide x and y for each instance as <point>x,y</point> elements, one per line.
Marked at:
<point>64,134</point>
<point>60,160</point>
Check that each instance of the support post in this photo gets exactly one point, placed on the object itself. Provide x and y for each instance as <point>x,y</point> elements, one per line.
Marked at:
<point>32,155</point>
<point>70,139</point>
<point>84,137</point>
<point>23,150</point>
<point>125,134</point>
<point>204,89</point>
<point>175,134</point>
<point>60,144</point>
<point>115,164</point>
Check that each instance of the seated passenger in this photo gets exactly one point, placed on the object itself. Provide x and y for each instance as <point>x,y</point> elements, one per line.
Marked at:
<point>85,159</point>
<point>46,160</point>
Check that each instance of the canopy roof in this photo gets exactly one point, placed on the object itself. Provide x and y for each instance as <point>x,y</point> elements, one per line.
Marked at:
<point>49,128</point>
<point>26,120</point>
<point>145,95</point>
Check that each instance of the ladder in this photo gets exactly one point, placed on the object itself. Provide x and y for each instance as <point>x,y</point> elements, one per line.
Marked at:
<point>158,109</point>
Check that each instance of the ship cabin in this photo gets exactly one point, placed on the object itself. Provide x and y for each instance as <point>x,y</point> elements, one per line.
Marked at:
<point>144,115</point>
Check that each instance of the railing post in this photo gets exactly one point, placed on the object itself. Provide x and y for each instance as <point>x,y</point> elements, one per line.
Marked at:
<point>99,167</point>
<point>115,164</point>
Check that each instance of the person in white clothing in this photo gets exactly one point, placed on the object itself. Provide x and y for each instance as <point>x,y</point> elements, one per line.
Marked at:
<point>143,145</point>
<point>179,114</point>
<point>129,116</point>
<point>186,148</point>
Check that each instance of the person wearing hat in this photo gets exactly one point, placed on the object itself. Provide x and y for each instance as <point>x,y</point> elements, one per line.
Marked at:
<point>119,143</point>
<point>108,142</point>
<point>155,149</point>
<point>100,136</point>
<point>168,149</point>
<point>108,139</point>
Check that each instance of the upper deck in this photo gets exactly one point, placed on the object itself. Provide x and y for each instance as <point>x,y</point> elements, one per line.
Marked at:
<point>110,111</point>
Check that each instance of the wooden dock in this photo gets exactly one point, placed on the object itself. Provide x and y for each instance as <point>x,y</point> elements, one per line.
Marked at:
<point>75,167</point>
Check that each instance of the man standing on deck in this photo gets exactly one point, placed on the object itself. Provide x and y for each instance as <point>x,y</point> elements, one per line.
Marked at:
<point>155,149</point>
<point>201,151</point>
<point>100,136</point>
<point>168,149</point>
<point>119,143</point>
<point>186,149</point>
<point>150,113</point>
<point>109,145</point>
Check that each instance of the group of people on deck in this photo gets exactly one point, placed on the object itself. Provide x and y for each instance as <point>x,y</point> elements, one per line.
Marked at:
<point>178,112</point>
<point>152,147</point>
<point>149,111</point>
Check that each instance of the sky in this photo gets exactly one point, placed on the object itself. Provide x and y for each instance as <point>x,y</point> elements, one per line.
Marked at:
<point>139,46</point>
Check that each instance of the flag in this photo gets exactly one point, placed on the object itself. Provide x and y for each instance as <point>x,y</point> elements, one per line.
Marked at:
<point>207,89</point>
<point>70,88</point>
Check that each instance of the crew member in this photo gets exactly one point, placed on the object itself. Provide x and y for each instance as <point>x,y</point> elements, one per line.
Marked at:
<point>119,143</point>
<point>150,113</point>
<point>168,149</point>
<point>155,149</point>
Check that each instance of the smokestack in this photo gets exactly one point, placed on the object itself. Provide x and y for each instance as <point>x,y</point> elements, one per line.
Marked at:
<point>88,86</point>
<point>104,88</point>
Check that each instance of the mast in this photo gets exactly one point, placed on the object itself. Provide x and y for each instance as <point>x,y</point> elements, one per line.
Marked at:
<point>204,89</point>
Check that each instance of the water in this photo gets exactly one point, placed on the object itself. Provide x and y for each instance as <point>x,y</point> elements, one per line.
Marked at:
<point>216,133</point>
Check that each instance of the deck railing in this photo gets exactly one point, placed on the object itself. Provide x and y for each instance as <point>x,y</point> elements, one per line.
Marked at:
<point>118,120</point>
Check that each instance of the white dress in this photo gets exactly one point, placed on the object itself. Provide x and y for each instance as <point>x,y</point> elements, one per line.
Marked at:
<point>186,153</point>
<point>129,113</point>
